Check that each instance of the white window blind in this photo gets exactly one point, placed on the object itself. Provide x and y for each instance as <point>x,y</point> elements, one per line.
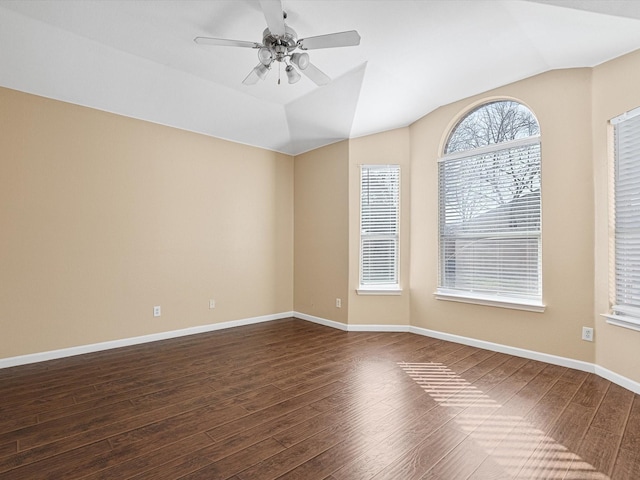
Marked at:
<point>626,306</point>
<point>490,221</point>
<point>379,224</point>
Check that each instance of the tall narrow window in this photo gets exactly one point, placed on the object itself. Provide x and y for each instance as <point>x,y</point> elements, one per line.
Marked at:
<point>626,297</point>
<point>490,215</point>
<point>379,226</point>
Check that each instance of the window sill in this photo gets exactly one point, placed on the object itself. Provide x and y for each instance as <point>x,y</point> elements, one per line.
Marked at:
<point>623,321</point>
<point>379,290</point>
<point>491,301</point>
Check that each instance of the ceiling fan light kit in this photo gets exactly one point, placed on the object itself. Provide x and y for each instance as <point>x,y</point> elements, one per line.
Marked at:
<point>262,70</point>
<point>265,56</point>
<point>279,44</point>
<point>300,60</point>
<point>292,74</point>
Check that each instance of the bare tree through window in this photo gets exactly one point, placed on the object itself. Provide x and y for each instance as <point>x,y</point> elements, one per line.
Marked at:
<point>492,123</point>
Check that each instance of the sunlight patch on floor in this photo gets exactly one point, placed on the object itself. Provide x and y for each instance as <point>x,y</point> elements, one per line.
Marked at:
<point>521,450</point>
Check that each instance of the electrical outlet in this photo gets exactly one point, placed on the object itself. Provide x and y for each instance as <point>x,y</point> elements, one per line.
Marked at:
<point>157,311</point>
<point>338,303</point>
<point>587,334</point>
<point>212,303</point>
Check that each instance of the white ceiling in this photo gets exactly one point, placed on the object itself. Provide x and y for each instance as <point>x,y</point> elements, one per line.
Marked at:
<point>138,58</point>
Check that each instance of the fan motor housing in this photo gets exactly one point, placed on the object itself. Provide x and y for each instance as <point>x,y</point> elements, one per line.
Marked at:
<point>280,46</point>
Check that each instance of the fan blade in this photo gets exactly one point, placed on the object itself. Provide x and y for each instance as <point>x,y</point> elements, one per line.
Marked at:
<point>223,42</point>
<point>274,16</point>
<point>331,40</point>
<point>252,78</point>
<point>316,75</point>
<point>260,71</point>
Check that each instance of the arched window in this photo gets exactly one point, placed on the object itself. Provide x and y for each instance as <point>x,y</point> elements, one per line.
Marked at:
<point>490,215</point>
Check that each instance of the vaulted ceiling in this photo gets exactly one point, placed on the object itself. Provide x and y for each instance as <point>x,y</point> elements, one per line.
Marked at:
<point>138,58</point>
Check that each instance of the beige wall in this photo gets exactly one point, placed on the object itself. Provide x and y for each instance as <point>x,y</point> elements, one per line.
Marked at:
<point>321,249</point>
<point>102,217</point>
<point>615,91</point>
<point>561,100</point>
<point>385,148</point>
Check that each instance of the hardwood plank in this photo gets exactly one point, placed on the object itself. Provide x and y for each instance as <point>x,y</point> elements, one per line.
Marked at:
<point>270,413</point>
<point>631,437</point>
<point>8,448</point>
<point>574,376</point>
<point>330,460</point>
<point>487,421</point>
<point>10,424</point>
<point>421,459</point>
<point>185,424</point>
<point>153,460</point>
<point>519,445</point>
<point>556,453</point>
<point>66,465</point>
<point>390,447</point>
<point>592,391</point>
<point>557,449</point>
<point>627,466</point>
<point>103,432</point>
<point>200,458</point>
<point>613,412</point>
<point>46,432</point>
<point>359,420</point>
<point>464,364</point>
<point>600,447</point>
<point>547,410</point>
<point>280,463</point>
<point>509,435</point>
<point>205,465</point>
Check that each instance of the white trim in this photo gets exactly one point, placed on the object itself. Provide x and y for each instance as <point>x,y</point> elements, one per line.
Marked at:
<point>378,290</point>
<point>378,165</point>
<point>379,328</point>
<point>625,116</point>
<point>515,351</point>
<point>491,301</point>
<point>352,327</point>
<point>623,321</point>
<point>321,321</point>
<point>494,147</point>
<point>126,342</point>
<point>618,379</point>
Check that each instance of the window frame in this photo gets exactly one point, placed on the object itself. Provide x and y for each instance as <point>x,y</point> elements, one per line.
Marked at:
<point>478,295</point>
<point>379,288</point>
<point>623,314</point>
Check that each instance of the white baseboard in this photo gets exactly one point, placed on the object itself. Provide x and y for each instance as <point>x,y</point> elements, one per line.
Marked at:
<point>618,379</point>
<point>125,342</point>
<point>515,351</point>
<point>321,321</point>
<point>379,328</point>
<point>351,327</point>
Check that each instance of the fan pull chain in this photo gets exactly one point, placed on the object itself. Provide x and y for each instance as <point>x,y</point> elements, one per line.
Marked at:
<point>279,71</point>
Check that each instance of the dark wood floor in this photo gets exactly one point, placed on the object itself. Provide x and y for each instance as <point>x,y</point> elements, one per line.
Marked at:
<point>291,399</point>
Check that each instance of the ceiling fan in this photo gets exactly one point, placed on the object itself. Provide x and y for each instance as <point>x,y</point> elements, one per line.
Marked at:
<point>280,43</point>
